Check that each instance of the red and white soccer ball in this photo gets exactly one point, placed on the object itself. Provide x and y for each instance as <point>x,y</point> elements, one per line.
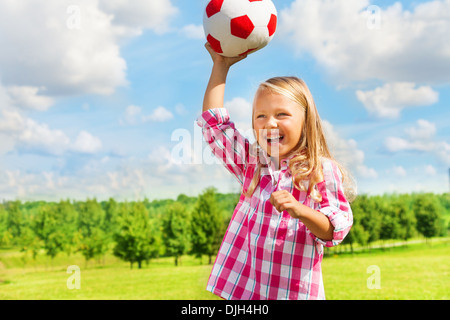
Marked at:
<point>239,27</point>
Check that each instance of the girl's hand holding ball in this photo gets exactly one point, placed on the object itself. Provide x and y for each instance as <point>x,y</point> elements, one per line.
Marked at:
<point>221,60</point>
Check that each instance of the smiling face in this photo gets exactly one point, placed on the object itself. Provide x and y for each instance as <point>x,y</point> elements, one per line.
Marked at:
<point>278,123</point>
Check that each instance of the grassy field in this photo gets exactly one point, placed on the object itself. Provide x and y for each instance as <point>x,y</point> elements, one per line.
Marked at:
<point>416,272</point>
<point>419,271</point>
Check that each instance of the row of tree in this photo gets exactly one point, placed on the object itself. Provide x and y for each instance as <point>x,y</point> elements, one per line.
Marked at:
<point>139,231</point>
<point>133,231</point>
<point>395,216</point>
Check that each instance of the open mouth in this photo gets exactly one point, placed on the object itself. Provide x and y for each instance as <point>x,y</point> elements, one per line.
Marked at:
<point>273,140</point>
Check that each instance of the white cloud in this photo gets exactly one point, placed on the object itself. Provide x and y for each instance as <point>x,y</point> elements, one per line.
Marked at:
<point>395,144</point>
<point>38,137</point>
<point>160,114</point>
<point>239,109</point>
<point>141,14</point>
<point>131,115</point>
<point>404,46</point>
<point>71,47</point>
<point>127,178</point>
<point>65,51</point>
<point>193,31</point>
<point>11,122</point>
<point>399,171</point>
<point>241,114</point>
<point>443,152</point>
<point>86,143</point>
<point>27,97</point>
<point>49,177</point>
<point>27,135</point>
<point>133,110</point>
<point>420,138</point>
<point>430,170</point>
<point>389,100</point>
<point>425,130</point>
<point>347,153</point>
<point>181,110</point>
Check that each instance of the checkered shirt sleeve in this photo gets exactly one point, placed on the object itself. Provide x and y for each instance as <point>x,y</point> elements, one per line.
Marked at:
<point>334,203</point>
<point>226,143</point>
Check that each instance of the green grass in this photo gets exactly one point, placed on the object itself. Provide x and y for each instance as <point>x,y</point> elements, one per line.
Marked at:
<point>160,280</point>
<point>419,271</point>
<point>416,272</point>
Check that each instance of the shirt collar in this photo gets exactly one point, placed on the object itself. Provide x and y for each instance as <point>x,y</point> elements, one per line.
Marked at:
<point>270,167</point>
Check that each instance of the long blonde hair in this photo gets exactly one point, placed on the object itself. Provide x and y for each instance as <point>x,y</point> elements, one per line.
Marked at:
<point>305,164</point>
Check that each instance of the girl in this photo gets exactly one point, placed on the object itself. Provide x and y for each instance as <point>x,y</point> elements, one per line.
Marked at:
<point>293,200</point>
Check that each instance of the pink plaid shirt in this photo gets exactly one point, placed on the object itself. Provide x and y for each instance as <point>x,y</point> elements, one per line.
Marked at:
<point>266,254</point>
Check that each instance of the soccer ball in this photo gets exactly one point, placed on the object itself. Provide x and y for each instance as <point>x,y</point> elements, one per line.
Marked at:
<point>239,27</point>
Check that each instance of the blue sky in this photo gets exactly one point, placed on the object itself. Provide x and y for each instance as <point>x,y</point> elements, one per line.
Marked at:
<point>98,97</point>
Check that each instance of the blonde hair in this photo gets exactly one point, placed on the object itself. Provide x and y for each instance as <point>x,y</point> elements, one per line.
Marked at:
<point>312,147</point>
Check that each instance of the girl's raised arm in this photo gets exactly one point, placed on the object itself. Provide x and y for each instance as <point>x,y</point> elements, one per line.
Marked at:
<point>215,91</point>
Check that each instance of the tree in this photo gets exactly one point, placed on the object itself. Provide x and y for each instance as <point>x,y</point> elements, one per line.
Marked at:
<point>54,243</point>
<point>47,226</point>
<point>426,210</point>
<point>370,216</point>
<point>68,216</point>
<point>406,219</point>
<point>360,235</point>
<point>111,208</point>
<point>91,216</point>
<point>357,233</point>
<point>176,230</point>
<point>135,241</point>
<point>5,234</point>
<point>14,219</point>
<point>390,227</point>
<point>92,239</point>
<point>92,245</point>
<point>206,225</point>
<point>30,244</point>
